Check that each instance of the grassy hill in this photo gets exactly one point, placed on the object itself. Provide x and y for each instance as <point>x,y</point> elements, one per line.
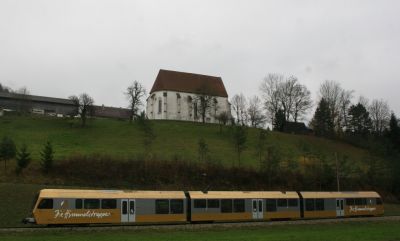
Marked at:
<point>174,140</point>
<point>122,142</point>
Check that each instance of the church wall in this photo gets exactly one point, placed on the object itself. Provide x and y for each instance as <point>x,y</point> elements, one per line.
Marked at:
<point>179,106</point>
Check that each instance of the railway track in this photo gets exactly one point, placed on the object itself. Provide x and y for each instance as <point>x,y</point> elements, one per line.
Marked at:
<point>188,227</point>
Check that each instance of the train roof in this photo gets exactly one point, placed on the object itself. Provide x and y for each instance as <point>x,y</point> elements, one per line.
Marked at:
<point>82,193</point>
<point>242,194</point>
<point>340,194</point>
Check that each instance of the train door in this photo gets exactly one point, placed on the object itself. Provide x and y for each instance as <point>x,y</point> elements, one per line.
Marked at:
<point>128,210</point>
<point>339,207</point>
<point>258,208</point>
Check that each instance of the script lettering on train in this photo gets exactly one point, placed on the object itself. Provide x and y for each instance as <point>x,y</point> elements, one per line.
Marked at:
<point>67,214</point>
<point>354,209</point>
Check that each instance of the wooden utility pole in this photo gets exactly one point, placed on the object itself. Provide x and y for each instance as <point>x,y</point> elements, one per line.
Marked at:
<point>337,173</point>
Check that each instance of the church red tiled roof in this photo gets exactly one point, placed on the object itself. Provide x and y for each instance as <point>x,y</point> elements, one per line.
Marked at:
<point>189,82</point>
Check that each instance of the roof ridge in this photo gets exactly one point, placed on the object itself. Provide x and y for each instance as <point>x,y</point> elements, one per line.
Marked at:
<point>170,80</point>
<point>184,72</point>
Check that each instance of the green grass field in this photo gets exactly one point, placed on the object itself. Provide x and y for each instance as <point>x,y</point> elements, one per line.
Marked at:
<point>366,231</point>
<point>174,139</point>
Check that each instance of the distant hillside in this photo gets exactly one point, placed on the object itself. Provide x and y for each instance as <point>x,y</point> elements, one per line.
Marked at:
<point>174,140</point>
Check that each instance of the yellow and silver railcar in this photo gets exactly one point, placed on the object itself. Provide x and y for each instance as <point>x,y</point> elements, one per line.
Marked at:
<point>340,204</point>
<point>61,206</point>
<point>243,206</point>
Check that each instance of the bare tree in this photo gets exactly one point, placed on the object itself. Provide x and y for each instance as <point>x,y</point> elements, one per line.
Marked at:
<point>363,100</point>
<point>270,94</point>
<point>204,101</point>
<point>380,114</point>
<point>302,101</point>
<point>345,102</point>
<point>254,111</point>
<point>84,106</point>
<point>330,90</point>
<point>222,119</point>
<point>134,93</point>
<point>239,104</point>
<point>338,100</point>
<point>287,95</point>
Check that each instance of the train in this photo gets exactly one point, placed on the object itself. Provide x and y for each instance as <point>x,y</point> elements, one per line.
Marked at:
<point>86,207</point>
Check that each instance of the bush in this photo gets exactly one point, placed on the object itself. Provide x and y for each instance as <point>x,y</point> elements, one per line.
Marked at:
<point>47,157</point>
<point>23,159</point>
<point>7,150</point>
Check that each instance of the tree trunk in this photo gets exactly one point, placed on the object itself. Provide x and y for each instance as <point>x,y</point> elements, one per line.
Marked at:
<point>83,120</point>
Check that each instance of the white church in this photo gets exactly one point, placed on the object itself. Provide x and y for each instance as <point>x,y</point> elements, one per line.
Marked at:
<point>173,96</point>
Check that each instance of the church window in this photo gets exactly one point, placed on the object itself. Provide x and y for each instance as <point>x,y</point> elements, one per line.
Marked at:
<point>159,106</point>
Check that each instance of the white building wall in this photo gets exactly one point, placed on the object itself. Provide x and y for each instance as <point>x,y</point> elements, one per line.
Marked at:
<point>172,105</point>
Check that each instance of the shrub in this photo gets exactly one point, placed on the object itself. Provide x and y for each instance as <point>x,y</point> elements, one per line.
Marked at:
<point>47,157</point>
<point>23,159</point>
<point>7,150</point>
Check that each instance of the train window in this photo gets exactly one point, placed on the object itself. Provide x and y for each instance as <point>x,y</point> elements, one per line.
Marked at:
<point>46,203</point>
<point>78,203</point>
<point>378,201</point>
<point>91,204</point>
<point>319,204</point>
<point>108,204</point>
<point>271,205</point>
<point>360,201</point>
<point>310,205</point>
<point>212,203</point>
<point>293,202</point>
<point>176,206</point>
<point>200,203</point>
<point>162,206</point>
<point>226,205</point>
<point>124,207</point>
<point>282,203</point>
<point>238,205</point>
<point>350,201</point>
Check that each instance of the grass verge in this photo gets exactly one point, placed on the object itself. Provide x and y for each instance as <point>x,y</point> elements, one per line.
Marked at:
<point>367,231</point>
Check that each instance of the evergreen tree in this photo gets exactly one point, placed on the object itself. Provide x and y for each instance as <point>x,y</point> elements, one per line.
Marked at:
<point>23,159</point>
<point>7,151</point>
<point>394,132</point>
<point>360,122</point>
<point>47,157</point>
<point>322,122</point>
<point>279,121</point>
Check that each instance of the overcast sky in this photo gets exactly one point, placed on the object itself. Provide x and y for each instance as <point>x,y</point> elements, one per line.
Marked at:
<point>59,48</point>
